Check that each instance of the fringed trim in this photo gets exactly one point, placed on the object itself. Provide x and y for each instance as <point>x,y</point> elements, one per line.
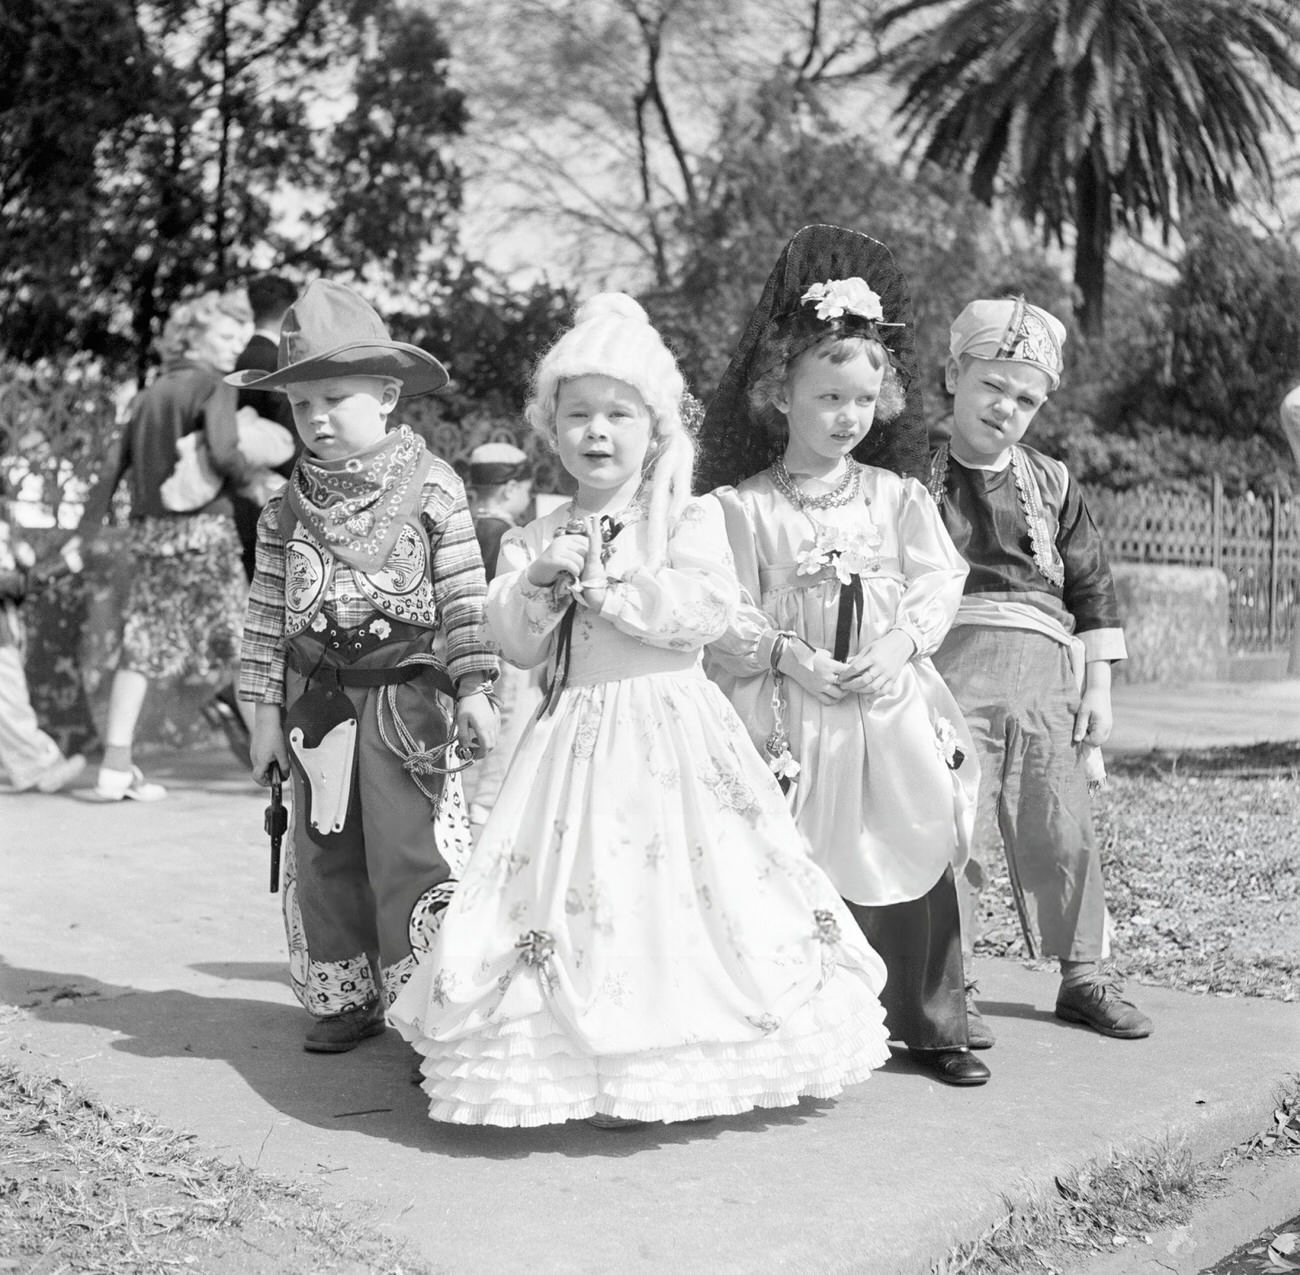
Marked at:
<point>1046,558</point>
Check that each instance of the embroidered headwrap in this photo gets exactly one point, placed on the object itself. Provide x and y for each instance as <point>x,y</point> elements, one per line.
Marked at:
<point>1010,328</point>
<point>828,281</point>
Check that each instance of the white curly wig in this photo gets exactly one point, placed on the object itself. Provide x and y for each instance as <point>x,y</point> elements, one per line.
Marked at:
<point>612,336</point>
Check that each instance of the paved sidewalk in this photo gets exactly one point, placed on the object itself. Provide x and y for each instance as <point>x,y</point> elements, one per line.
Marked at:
<point>1203,714</point>
<point>147,958</point>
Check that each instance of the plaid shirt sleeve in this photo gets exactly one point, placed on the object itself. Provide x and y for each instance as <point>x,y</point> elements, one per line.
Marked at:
<point>459,584</point>
<point>261,661</point>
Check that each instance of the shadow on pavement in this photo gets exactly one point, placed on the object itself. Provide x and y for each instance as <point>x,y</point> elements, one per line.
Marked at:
<point>368,1090</point>
<point>1016,1009</point>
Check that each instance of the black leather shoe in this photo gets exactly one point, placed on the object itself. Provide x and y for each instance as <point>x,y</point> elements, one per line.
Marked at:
<point>952,1066</point>
<point>342,1032</point>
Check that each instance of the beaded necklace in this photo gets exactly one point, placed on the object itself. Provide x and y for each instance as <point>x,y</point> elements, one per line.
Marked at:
<point>845,492</point>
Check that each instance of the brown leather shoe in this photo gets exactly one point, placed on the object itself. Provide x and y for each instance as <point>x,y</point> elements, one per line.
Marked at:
<point>1098,1004</point>
<point>952,1066</point>
<point>341,1032</point>
<point>979,1034</point>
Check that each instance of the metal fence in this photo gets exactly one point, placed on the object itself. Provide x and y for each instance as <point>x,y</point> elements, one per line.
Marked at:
<point>1254,540</point>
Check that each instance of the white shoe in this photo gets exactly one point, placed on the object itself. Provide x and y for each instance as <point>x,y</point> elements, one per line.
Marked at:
<point>60,774</point>
<point>117,785</point>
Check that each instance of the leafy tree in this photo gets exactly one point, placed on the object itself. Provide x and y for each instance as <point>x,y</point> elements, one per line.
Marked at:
<point>74,76</point>
<point>1231,346</point>
<point>1102,114</point>
<point>596,121</point>
<point>236,134</point>
<point>778,178</point>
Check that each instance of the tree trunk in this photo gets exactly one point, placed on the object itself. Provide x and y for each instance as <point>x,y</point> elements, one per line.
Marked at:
<point>1092,225</point>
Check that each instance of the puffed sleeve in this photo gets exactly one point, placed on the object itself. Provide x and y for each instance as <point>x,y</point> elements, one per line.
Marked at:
<point>522,617</point>
<point>690,601</point>
<point>745,648</point>
<point>934,570</point>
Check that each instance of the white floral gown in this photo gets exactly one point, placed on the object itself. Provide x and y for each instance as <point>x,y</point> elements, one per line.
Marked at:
<point>879,794</point>
<point>640,931</point>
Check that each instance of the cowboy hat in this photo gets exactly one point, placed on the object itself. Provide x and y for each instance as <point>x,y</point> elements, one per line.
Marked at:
<point>331,331</point>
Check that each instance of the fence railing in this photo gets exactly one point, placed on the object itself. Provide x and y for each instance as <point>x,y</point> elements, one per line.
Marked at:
<point>1254,540</point>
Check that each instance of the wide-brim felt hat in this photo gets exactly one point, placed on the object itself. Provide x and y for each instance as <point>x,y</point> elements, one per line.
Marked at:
<point>332,331</point>
<point>732,443</point>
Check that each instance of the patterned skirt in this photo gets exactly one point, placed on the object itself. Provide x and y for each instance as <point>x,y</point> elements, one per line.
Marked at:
<point>185,605</point>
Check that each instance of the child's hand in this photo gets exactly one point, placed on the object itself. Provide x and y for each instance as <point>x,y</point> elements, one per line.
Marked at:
<point>875,668</point>
<point>1093,721</point>
<point>266,744</point>
<point>476,724</point>
<point>816,670</point>
<point>565,555</point>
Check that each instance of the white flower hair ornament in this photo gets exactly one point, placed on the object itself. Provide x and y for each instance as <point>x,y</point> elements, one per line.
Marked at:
<point>839,297</point>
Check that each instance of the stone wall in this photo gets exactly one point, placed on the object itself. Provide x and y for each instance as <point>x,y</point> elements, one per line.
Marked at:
<point>1175,621</point>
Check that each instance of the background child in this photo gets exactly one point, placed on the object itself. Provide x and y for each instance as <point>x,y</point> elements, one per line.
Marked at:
<point>640,934</point>
<point>28,755</point>
<point>366,558</point>
<point>851,583</point>
<point>501,492</point>
<point>1030,653</point>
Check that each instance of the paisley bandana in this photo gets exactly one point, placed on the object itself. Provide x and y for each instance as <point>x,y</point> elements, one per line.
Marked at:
<point>358,506</point>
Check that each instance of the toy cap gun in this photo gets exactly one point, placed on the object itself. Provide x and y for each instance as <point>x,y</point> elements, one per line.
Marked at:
<point>275,821</point>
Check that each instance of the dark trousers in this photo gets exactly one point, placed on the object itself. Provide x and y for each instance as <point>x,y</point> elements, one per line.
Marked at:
<point>246,513</point>
<point>920,943</point>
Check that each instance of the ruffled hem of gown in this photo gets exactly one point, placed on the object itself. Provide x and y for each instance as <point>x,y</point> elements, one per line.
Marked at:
<point>528,1072</point>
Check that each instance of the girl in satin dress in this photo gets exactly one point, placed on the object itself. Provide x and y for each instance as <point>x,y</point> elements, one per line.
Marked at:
<point>849,583</point>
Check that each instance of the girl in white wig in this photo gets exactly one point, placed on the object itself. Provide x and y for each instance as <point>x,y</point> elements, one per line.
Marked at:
<point>641,934</point>
<point>611,336</point>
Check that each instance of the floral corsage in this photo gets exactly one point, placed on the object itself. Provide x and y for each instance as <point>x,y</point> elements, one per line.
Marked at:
<point>847,551</point>
<point>945,740</point>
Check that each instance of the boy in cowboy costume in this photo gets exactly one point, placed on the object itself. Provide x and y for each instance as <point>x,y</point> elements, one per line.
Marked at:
<point>1029,655</point>
<point>365,656</point>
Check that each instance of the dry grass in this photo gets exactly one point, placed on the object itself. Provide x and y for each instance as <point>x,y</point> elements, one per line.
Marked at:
<point>1113,1203</point>
<point>1201,854</point>
<point>87,1189</point>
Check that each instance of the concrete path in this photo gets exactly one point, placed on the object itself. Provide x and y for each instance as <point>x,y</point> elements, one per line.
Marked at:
<point>146,958</point>
<point>1203,714</point>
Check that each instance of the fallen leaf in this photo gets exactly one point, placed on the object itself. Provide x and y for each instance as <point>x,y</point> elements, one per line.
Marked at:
<point>1282,1249</point>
